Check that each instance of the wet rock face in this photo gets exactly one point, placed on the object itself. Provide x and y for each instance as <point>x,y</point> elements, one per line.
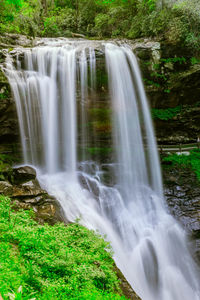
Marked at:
<point>183,128</point>
<point>125,286</point>
<point>9,131</point>
<point>182,192</point>
<point>26,193</point>
<point>170,80</point>
<point>169,76</point>
<point>11,40</point>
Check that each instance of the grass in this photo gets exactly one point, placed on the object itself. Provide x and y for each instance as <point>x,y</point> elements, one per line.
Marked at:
<point>192,161</point>
<point>52,262</point>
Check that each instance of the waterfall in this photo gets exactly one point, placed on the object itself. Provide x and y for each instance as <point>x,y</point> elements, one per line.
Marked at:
<point>54,87</point>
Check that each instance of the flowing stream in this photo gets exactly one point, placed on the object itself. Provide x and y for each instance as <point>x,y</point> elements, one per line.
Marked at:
<point>55,87</point>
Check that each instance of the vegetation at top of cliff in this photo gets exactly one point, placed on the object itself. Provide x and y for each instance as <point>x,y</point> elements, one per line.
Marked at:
<point>178,21</point>
<point>192,161</point>
<point>52,262</point>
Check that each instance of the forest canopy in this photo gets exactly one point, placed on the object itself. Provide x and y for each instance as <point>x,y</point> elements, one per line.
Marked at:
<point>178,21</point>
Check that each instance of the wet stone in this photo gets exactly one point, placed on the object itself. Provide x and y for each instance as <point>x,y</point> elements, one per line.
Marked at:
<point>29,195</point>
<point>6,188</point>
<point>23,174</point>
<point>183,199</point>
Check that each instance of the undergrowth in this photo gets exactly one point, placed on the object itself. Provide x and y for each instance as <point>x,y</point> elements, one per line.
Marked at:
<point>192,161</point>
<point>165,114</point>
<point>52,262</point>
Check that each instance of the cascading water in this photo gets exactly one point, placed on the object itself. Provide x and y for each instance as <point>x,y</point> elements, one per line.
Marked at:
<point>150,247</point>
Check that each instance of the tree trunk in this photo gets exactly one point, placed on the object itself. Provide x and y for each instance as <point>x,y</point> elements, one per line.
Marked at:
<point>44,5</point>
<point>77,14</point>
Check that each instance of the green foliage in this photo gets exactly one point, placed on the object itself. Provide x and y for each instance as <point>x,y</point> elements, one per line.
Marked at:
<point>192,161</point>
<point>150,82</point>
<point>20,16</point>
<point>194,60</point>
<point>52,262</point>
<point>178,23</point>
<point>60,23</point>
<point>4,93</point>
<point>102,27</point>
<point>51,27</point>
<point>180,60</point>
<point>188,14</point>
<point>165,114</point>
<point>160,77</point>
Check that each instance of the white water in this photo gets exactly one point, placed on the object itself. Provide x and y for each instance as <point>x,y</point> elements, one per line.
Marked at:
<point>150,247</point>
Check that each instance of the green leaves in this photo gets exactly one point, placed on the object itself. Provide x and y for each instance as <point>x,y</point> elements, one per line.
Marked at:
<point>192,161</point>
<point>52,262</point>
<point>165,114</point>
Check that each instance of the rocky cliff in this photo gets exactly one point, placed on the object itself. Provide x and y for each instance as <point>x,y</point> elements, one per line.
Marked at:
<point>172,79</point>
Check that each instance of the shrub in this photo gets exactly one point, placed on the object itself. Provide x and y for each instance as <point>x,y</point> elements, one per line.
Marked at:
<point>60,22</point>
<point>102,27</point>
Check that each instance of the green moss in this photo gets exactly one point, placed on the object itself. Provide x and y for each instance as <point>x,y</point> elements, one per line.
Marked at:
<point>100,151</point>
<point>192,161</point>
<point>165,114</point>
<point>102,117</point>
<point>100,113</point>
<point>52,262</point>
<point>6,161</point>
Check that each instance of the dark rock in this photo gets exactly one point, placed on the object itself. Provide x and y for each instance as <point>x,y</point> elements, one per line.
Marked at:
<point>10,40</point>
<point>6,188</point>
<point>182,193</point>
<point>9,130</point>
<point>125,286</point>
<point>24,174</point>
<point>184,128</point>
<point>29,195</point>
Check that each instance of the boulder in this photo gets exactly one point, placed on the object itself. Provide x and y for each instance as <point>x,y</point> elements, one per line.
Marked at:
<point>26,193</point>
<point>30,189</point>
<point>24,174</point>
<point>46,209</point>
